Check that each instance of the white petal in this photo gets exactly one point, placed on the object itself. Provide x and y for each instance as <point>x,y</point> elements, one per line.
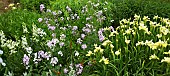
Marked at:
<point>1,52</point>
<point>1,61</point>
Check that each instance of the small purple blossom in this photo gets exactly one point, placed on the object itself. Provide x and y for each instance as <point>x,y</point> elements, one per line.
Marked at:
<point>79,41</point>
<point>99,13</point>
<point>112,29</point>
<point>40,19</point>
<point>89,63</point>
<point>75,28</point>
<point>54,61</point>
<point>62,36</point>
<point>88,18</point>
<point>62,18</point>
<point>82,36</point>
<point>51,27</point>
<point>84,46</point>
<point>68,9</point>
<point>54,13</point>
<point>101,38</point>
<point>48,10</point>
<point>52,42</point>
<point>79,69</point>
<point>42,7</point>
<point>60,53</point>
<point>26,60</point>
<point>53,35</point>
<point>59,12</point>
<point>61,44</point>
<point>65,70</point>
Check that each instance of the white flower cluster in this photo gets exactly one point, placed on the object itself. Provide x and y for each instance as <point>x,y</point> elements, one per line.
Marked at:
<point>8,43</point>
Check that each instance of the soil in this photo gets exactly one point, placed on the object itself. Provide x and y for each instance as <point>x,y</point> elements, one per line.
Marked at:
<point>3,4</point>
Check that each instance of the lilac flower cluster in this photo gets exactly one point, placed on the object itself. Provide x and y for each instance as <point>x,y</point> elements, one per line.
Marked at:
<point>40,55</point>
<point>79,69</point>
<point>100,34</point>
<point>52,43</point>
<point>42,7</point>
<point>54,61</point>
<point>26,60</point>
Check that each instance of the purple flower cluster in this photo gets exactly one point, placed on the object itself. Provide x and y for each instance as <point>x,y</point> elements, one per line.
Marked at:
<point>40,55</point>
<point>26,60</point>
<point>51,27</point>
<point>68,9</point>
<point>54,61</point>
<point>79,69</point>
<point>52,42</point>
<point>66,70</point>
<point>84,46</point>
<point>88,28</point>
<point>100,34</point>
<point>79,41</point>
<point>42,7</point>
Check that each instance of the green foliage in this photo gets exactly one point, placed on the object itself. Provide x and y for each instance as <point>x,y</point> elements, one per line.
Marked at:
<point>124,9</point>
<point>33,5</point>
<point>12,21</point>
<point>112,56</point>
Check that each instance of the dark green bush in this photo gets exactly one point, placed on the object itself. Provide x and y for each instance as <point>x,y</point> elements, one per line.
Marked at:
<point>127,8</point>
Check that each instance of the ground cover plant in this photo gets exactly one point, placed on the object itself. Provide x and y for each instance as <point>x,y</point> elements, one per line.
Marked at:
<point>78,38</point>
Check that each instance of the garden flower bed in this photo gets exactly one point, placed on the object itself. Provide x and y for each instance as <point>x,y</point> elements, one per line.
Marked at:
<point>82,39</point>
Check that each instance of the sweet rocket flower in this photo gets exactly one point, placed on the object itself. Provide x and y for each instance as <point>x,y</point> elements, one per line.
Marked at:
<point>54,61</point>
<point>28,49</point>
<point>48,10</point>
<point>1,52</point>
<point>88,18</point>
<point>61,44</point>
<point>101,38</point>
<point>52,42</point>
<point>26,60</point>
<point>53,35</point>
<point>60,53</point>
<point>42,7</point>
<point>51,27</point>
<point>54,13</point>
<point>62,37</point>
<point>40,19</point>
<point>1,62</point>
<point>79,41</point>
<point>68,9</point>
<point>76,53</point>
<point>66,70</point>
<point>59,12</point>
<point>75,28</point>
<point>82,36</point>
<point>90,63</point>
<point>79,69</point>
<point>84,46</point>
<point>99,13</point>
<point>62,18</point>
